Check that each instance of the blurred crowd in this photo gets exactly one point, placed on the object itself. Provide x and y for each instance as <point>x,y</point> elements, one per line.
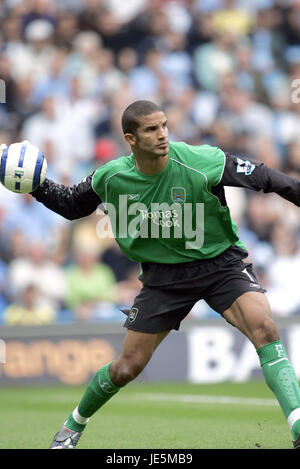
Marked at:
<point>226,72</point>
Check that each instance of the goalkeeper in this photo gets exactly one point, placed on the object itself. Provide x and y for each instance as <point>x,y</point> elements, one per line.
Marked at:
<point>188,248</point>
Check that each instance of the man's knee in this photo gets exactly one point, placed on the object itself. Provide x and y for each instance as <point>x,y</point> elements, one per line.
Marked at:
<point>266,331</point>
<point>124,370</point>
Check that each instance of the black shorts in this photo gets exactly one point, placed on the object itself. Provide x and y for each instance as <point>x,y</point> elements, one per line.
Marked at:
<point>170,290</point>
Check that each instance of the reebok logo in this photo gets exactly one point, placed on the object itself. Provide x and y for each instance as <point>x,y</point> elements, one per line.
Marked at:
<point>133,196</point>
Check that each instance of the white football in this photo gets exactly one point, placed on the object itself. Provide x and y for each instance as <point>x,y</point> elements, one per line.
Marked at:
<point>23,167</point>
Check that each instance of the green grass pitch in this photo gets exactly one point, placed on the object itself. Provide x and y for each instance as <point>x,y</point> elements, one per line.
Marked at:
<point>156,415</point>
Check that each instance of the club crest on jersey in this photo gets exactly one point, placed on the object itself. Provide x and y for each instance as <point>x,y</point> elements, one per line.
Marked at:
<point>178,194</point>
<point>133,314</point>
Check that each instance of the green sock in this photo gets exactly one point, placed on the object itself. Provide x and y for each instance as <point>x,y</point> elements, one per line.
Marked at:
<point>98,392</point>
<point>281,378</point>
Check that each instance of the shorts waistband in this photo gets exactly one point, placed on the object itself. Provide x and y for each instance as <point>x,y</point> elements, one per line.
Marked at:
<point>233,252</point>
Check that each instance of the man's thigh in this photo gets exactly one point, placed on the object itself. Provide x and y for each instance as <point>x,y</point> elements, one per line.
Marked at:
<point>141,344</point>
<point>251,314</point>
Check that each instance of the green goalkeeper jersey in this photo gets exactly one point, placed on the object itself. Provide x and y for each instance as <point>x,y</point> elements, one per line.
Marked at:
<point>171,216</point>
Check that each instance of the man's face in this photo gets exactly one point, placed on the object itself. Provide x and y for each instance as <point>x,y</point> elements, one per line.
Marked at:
<point>151,136</point>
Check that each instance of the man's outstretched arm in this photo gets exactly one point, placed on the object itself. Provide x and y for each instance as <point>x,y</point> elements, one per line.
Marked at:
<point>239,172</point>
<point>73,202</point>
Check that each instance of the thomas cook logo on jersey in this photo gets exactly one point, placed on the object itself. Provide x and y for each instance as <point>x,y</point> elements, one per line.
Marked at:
<point>133,314</point>
<point>178,194</point>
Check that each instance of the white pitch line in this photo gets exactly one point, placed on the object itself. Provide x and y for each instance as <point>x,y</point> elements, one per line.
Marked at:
<point>204,399</point>
<point>164,397</point>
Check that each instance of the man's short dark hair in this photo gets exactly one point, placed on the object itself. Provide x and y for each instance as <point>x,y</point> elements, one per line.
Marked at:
<point>131,115</point>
